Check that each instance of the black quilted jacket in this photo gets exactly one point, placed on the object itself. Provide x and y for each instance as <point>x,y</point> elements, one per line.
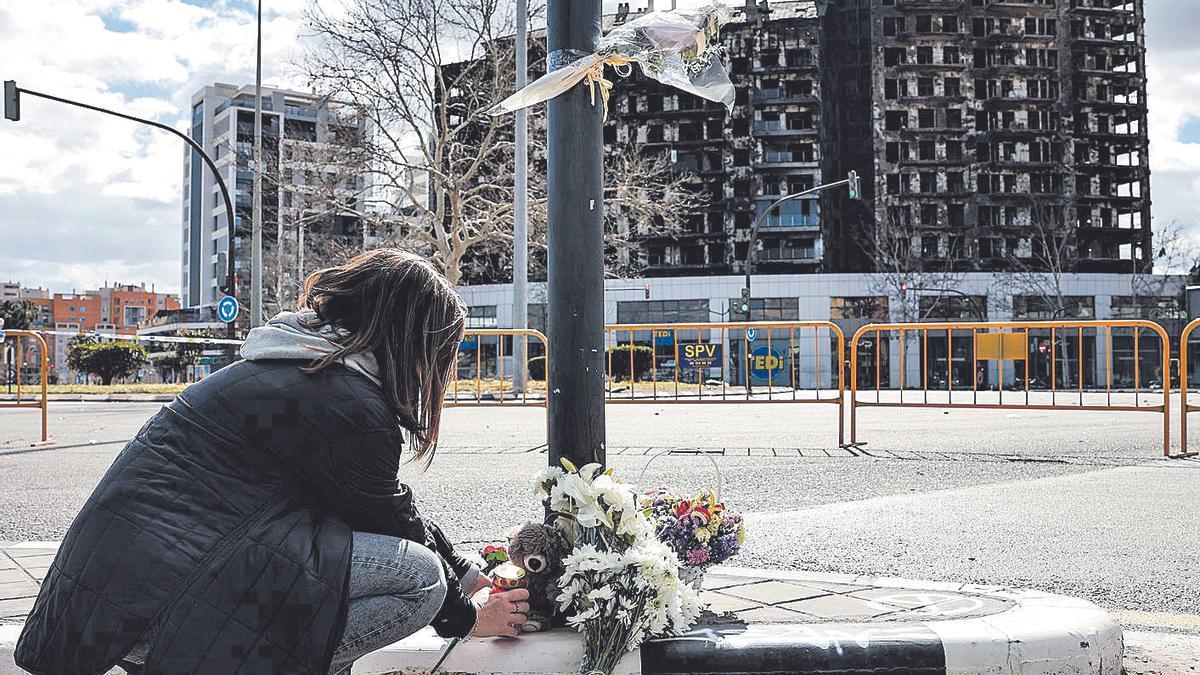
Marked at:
<point>222,532</point>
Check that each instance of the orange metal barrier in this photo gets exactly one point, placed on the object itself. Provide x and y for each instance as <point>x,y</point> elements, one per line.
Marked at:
<point>482,357</point>
<point>720,362</point>
<point>1185,406</point>
<point>43,402</point>
<point>1005,345</point>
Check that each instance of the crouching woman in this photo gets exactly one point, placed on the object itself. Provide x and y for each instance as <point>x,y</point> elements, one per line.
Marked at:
<point>256,524</point>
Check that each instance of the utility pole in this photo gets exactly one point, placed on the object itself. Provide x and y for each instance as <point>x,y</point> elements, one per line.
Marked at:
<point>575,172</point>
<point>521,208</point>
<point>256,225</point>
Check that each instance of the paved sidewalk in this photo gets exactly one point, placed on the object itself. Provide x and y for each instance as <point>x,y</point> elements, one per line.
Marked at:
<point>760,621</point>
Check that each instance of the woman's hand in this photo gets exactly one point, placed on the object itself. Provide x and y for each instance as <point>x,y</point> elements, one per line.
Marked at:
<point>500,614</point>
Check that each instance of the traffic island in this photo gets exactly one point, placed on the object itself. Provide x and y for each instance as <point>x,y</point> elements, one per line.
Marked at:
<point>770,621</point>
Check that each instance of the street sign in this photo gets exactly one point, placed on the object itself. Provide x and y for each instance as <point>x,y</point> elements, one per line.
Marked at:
<point>700,355</point>
<point>751,334</point>
<point>766,363</point>
<point>227,309</point>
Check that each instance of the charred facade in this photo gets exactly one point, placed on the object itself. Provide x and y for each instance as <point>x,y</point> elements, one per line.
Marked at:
<point>990,135</point>
<point>1003,132</point>
<point>769,146</point>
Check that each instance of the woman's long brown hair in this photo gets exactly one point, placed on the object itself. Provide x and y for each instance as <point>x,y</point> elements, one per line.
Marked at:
<point>397,306</point>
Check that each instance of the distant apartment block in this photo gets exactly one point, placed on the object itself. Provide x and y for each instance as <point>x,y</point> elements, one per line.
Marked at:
<point>310,182</point>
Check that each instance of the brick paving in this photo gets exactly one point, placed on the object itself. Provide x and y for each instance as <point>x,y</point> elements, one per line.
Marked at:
<point>744,598</point>
<point>22,568</point>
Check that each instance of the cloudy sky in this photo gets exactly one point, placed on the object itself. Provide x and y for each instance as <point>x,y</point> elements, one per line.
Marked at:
<point>86,199</point>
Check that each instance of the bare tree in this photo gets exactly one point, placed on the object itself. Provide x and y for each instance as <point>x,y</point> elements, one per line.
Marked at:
<point>1176,254</point>
<point>425,73</point>
<point>911,260</point>
<point>1035,283</point>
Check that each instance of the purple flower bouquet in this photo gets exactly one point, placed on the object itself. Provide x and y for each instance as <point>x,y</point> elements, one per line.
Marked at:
<point>700,530</point>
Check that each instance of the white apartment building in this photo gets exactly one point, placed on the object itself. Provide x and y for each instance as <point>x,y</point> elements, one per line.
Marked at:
<point>305,141</point>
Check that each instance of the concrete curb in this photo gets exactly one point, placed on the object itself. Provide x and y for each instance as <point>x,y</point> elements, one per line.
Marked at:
<point>1041,634</point>
<point>1034,633</point>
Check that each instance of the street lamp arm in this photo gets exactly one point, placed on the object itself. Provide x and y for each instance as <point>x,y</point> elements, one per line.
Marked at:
<point>231,279</point>
<point>767,211</point>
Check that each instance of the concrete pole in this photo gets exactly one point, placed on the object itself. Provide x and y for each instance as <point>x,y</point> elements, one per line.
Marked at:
<point>520,318</point>
<point>575,175</point>
<point>256,223</point>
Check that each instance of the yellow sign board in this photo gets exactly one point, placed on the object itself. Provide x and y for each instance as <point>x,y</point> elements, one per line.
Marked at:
<point>1001,346</point>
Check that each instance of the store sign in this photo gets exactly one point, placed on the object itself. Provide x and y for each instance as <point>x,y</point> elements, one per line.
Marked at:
<point>700,355</point>
<point>766,363</point>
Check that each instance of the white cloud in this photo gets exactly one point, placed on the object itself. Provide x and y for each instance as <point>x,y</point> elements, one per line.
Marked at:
<point>84,197</point>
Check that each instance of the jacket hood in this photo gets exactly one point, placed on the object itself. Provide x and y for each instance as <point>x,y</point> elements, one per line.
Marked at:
<point>287,337</point>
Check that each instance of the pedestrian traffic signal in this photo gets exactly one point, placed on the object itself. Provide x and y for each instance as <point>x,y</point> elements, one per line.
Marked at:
<point>855,187</point>
<point>744,305</point>
<point>12,101</point>
<point>647,291</point>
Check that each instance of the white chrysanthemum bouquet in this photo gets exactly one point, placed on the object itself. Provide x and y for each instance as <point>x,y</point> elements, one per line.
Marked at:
<point>621,584</point>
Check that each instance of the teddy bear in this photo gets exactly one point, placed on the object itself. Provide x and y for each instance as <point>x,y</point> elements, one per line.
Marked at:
<point>539,549</point>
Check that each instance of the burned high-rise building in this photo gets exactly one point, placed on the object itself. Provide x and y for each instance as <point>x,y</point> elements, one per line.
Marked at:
<point>990,135</point>
<point>998,134</point>
<point>769,146</point>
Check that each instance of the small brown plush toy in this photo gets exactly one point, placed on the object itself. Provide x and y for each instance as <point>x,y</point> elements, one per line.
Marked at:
<point>539,549</point>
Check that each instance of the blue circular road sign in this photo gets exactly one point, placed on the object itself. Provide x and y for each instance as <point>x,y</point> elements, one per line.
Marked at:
<point>227,309</point>
<point>766,363</point>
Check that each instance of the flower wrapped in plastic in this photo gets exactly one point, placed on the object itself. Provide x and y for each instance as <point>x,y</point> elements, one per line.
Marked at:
<point>677,47</point>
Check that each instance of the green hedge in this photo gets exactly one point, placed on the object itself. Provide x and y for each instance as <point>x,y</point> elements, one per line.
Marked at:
<point>643,361</point>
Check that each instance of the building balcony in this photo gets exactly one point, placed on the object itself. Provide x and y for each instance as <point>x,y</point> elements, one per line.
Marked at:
<point>998,38</point>
<point>786,255</point>
<point>791,222</point>
<point>941,5</point>
<point>785,68</point>
<point>957,162</point>
<point>781,97</point>
<point>300,112</point>
<point>1126,10</point>
<point>780,162</point>
<point>928,67</point>
<point>767,129</point>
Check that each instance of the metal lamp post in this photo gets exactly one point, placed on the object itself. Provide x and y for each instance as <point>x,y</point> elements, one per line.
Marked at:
<point>851,181</point>
<point>521,207</point>
<point>575,172</point>
<point>256,224</point>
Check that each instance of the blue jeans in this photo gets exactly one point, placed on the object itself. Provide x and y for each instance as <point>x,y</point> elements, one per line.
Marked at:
<point>396,589</point>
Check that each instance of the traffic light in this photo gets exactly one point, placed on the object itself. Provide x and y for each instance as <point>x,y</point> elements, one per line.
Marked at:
<point>12,101</point>
<point>855,186</point>
<point>647,291</point>
<point>744,305</point>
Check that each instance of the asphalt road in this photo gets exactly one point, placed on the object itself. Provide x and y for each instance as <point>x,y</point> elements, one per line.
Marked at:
<point>1070,502</point>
